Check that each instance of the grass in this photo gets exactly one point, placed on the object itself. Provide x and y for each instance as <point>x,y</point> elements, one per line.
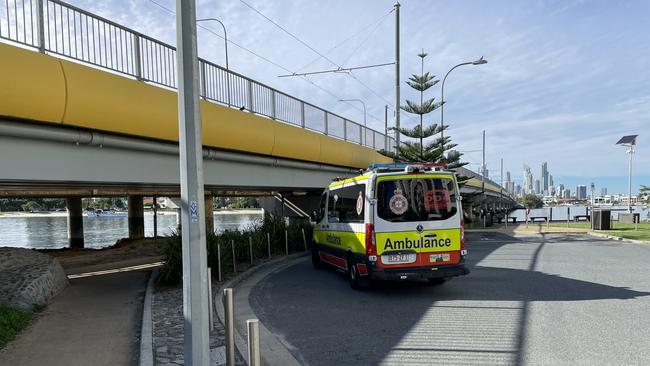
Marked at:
<point>618,229</point>
<point>12,321</point>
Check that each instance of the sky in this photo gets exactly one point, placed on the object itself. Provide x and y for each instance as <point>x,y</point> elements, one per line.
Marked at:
<point>564,80</point>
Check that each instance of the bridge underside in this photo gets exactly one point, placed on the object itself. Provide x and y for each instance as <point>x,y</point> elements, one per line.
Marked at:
<point>52,161</point>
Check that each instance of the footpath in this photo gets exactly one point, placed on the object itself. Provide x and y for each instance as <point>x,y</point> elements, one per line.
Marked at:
<point>95,321</point>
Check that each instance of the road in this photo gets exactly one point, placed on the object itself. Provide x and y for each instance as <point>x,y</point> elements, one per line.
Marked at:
<point>538,300</point>
<point>95,321</point>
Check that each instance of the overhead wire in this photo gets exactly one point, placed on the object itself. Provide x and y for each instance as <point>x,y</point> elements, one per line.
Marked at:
<point>361,30</point>
<point>328,92</point>
<point>320,54</point>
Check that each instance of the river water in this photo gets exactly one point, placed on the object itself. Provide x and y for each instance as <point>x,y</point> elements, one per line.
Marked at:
<point>51,231</point>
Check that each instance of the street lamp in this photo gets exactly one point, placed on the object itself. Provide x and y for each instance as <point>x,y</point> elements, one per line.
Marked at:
<point>629,142</point>
<point>225,35</point>
<point>480,61</point>
<point>360,101</point>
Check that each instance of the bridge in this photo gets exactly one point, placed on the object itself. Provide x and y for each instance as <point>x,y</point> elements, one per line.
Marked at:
<point>88,108</point>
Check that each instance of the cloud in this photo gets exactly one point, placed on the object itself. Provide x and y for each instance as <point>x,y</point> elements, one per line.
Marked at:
<point>564,78</point>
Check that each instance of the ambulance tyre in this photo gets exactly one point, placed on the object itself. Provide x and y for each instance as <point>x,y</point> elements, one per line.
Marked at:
<point>315,260</point>
<point>437,281</point>
<point>356,281</point>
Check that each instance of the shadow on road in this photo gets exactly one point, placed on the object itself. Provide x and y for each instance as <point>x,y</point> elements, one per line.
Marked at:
<point>477,319</point>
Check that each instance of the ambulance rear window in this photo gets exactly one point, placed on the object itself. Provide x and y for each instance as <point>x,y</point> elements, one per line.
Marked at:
<point>416,199</point>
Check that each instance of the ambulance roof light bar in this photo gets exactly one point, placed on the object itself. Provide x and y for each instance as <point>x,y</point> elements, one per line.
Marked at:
<point>408,168</point>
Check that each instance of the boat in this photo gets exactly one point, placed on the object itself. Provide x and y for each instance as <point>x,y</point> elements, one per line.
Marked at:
<point>104,213</point>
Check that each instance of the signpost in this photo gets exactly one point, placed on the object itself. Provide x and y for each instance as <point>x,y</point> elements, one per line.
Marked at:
<point>195,273</point>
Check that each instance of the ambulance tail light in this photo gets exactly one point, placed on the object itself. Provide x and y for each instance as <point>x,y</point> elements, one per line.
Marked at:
<point>371,246</point>
<point>462,234</point>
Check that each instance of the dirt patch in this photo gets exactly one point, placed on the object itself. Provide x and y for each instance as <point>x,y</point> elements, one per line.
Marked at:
<point>124,253</point>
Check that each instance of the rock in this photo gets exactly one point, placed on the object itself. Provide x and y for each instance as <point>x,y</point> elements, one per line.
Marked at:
<point>29,278</point>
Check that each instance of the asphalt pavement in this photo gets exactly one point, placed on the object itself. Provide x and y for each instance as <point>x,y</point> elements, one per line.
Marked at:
<point>549,299</point>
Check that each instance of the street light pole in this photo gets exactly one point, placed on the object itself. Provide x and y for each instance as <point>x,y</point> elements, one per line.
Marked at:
<point>629,142</point>
<point>195,273</point>
<point>225,44</point>
<point>480,61</point>
<point>483,183</point>
<point>364,107</point>
<point>225,36</point>
<point>629,180</point>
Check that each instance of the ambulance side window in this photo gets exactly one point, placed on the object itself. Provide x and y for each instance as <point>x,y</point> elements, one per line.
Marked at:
<point>346,205</point>
<point>321,208</point>
<point>333,207</point>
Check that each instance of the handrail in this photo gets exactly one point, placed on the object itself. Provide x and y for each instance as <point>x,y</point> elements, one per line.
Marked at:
<point>59,28</point>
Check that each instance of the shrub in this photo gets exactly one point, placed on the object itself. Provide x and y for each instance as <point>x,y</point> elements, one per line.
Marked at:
<point>11,322</point>
<point>272,227</point>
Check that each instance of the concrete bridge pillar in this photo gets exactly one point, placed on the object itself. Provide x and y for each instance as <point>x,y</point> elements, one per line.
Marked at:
<point>209,214</point>
<point>136,217</point>
<point>75,222</point>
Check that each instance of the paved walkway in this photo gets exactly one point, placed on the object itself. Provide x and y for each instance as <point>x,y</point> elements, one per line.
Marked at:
<point>95,321</point>
<point>167,316</point>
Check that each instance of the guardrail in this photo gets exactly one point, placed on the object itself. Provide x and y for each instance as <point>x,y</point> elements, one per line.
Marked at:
<point>59,28</point>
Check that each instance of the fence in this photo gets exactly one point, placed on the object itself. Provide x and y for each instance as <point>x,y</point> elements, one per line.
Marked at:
<point>59,28</point>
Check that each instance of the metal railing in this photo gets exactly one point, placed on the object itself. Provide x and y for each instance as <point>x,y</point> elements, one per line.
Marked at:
<point>59,28</point>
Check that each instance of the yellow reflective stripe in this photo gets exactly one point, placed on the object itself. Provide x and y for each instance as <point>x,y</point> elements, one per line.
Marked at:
<point>357,179</point>
<point>343,240</point>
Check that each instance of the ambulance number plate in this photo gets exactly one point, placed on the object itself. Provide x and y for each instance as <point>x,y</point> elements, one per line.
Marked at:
<point>398,258</point>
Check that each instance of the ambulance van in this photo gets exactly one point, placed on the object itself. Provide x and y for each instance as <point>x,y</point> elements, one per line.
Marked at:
<point>393,222</point>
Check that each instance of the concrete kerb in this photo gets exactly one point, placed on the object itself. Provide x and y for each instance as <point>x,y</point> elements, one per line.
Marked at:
<point>146,333</point>
<point>273,350</point>
<point>555,230</point>
<point>606,236</point>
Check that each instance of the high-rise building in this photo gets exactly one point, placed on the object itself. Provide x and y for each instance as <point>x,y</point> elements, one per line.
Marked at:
<point>550,181</point>
<point>581,192</point>
<point>528,180</point>
<point>544,177</point>
<point>603,191</point>
<point>537,187</point>
<point>566,193</point>
<point>508,177</point>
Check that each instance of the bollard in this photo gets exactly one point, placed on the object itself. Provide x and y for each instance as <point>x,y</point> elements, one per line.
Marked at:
<point>286,241</point>
<point>547,221</point>
<point>268,242</point>
<point>211,313</point>
<point>234,259</point>
<point>250,247</point>
<point>253,326</point>
<point>304,240</point>
<point>219,260</point>
<point>506,220</point>
<point>229,326</point>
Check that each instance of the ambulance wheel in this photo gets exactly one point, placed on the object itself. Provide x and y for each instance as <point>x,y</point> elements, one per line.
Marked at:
<point>356,281</point>
<point>437,281</point>
<point>315,260</point>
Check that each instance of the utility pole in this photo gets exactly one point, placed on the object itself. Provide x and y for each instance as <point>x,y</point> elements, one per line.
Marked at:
<point>483,182</point>
<point>386,127</point>
<point>397,83</point>
<point>195,273</point>
<point>501,188</point>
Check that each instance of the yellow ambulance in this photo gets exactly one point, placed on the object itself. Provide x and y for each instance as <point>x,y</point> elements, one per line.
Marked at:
<point>393,222</point>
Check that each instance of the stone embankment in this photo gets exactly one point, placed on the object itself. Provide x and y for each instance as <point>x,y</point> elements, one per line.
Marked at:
<point>29,278</point>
